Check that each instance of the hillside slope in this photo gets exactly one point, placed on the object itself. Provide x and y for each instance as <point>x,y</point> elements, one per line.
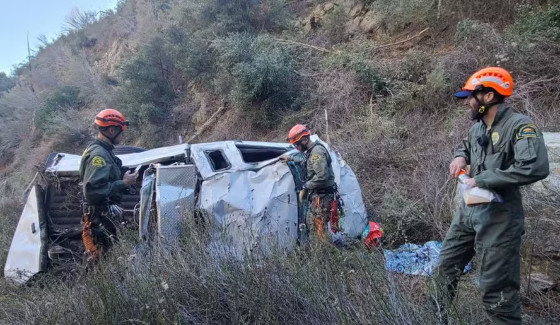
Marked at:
<point>383,70</point>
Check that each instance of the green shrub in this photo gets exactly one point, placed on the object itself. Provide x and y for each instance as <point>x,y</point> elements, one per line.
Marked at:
<point>235,16</point>
<point>400,14</point>
<point>479,44</point>
<point>150,82</point>
<point>361,64</point>
<point>469,30</point>
<point>256,69</point>
<point>334,25</point>
<point>66,98</point>
<point>538,23</point>
<point>148,77</point>
<point>194,59</point>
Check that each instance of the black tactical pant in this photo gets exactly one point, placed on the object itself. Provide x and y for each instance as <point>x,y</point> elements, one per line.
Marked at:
<point>104,232</point>
<point>493,231</point>
<point>103,228</point>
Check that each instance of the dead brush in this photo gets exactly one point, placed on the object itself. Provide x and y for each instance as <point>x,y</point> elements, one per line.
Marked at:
<point>339,94</point>
<point>192,282</point>
<point>403,170</point>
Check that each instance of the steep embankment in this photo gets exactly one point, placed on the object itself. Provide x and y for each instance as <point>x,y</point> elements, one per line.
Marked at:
<point>383,70</point>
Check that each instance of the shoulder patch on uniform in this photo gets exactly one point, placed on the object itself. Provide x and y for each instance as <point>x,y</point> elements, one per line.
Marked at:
<point>315,157</point>
<point>495,138</point>
<point>527,131</point>
<point>98,161</point>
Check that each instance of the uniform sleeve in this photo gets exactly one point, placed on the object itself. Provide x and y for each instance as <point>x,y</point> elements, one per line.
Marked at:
<point>298,159</point>
<point>464,150</point>
<point>319,163</point>
<point>530,165</point>
<point>97,188</point>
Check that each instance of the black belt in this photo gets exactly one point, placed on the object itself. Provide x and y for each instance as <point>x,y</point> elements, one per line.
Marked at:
<point>327,190</point>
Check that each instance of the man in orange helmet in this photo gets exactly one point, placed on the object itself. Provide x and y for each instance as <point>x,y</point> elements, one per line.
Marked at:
<point>505,150</point>
<point>320,187</point>
<point>103,183</point>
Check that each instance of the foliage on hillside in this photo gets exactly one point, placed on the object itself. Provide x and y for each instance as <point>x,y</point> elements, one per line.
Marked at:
<point>384,71</point>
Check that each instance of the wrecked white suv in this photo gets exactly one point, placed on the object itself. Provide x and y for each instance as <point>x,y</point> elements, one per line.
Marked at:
<point>242,186</point>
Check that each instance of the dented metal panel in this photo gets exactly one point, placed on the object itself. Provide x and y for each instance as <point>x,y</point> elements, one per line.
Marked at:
<point>175,192</point>
<point>25,256</point>
<point>146,198</point>
<point>200,156</point>
<point>247,194</point>
<point>64,164</point>
<point>253,210</point>
<point>355,214</point>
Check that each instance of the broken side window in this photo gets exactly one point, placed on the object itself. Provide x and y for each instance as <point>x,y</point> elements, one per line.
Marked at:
<point>218,160</point>
<point>256,154</point>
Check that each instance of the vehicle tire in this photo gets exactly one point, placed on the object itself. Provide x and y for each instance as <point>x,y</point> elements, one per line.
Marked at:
<point>123,150</point>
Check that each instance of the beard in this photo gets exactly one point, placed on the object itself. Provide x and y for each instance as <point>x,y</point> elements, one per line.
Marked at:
<point>475,115</point>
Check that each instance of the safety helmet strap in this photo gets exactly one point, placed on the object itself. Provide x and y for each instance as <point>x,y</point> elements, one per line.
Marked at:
<point>482,108</point>
<point>112,139</point>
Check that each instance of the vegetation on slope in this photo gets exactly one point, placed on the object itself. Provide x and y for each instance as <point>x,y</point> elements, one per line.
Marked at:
<point>385,81</point>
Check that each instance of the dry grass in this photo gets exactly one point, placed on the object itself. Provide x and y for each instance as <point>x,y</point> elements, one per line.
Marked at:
<point>187,284</point>
<point>396,129</point>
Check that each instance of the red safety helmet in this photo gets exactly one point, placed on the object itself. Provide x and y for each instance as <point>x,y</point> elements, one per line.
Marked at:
<point>493,77</point>
<point>297,132</point>
<point>111,117</point>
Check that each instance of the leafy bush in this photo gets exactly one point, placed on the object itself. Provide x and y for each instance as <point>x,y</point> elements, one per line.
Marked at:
<point>149,87</point>
<point>64,99</point>
<point>192,51</point>
<point>334,25</point>
<point>256,69</point>
<point>361,64</point>
<point>400,14</point>
<point>236,16</point>
<point>538,24</point>
<point>149,76</point>
<point>469,30</point>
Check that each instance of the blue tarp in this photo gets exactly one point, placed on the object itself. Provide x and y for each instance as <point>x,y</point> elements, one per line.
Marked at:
<point>415,259</point>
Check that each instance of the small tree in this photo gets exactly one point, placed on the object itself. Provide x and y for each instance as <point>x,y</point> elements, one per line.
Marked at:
<point>79,20</point>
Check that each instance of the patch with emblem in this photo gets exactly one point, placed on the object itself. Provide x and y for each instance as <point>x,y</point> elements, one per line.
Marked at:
<point>98,161</point>
<point>315,157</point>
<point>527,131</point>
<point>495,138</point>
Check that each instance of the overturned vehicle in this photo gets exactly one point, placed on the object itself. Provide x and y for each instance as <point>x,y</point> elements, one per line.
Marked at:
<point>240,186</point>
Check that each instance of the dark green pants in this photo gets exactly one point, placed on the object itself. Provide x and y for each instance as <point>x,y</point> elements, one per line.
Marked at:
<point>493,231</point>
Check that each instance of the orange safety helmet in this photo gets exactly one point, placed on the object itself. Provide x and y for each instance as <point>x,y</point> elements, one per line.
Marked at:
<point>493,77</point>
<point>297,132</point>
<point>111,117</point>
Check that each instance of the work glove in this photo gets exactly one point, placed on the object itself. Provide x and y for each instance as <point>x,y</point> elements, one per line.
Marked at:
<point>303,195</point>
<point>116,211</point>
<point>286,158</point>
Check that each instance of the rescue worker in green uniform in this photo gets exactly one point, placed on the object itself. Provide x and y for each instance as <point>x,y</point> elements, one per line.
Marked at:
<point>320,187</point>
<point>103,183</point>
<point>505,150</point>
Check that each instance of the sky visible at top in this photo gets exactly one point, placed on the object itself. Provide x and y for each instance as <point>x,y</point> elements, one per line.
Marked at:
<point>36,17</point>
